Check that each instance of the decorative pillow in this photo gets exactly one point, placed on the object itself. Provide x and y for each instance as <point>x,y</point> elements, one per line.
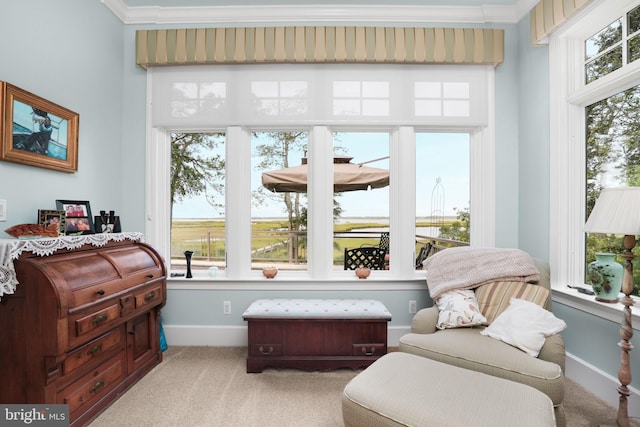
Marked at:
<point>493,298</point>
<point>458,308</point>
<point>524,325</point>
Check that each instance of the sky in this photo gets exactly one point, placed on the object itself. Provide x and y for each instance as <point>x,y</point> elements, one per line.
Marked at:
<point>440,157</point>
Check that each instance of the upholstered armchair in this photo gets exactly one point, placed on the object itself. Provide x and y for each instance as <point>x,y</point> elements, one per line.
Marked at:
<point>467,347</point>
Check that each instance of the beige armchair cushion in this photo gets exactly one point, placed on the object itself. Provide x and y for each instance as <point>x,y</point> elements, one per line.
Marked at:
<point>493,298</point>
<point>466,348</point>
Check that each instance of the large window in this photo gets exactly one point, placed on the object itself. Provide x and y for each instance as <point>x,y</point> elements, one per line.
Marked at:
<point>612,47</point>
<point>279,176</point>
<point>594,129</point>
<point>613,159</point>
<point>266,119</point>
<point>442,191</point>
<point>197,199</point>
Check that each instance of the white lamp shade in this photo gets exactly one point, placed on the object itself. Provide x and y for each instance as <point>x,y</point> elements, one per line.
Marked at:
<point>617,211</point>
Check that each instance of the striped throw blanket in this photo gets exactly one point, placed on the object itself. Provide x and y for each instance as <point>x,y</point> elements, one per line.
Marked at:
<point>467,268</point>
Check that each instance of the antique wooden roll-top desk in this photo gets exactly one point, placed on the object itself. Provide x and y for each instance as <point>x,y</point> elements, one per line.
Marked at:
<point>79,320</point>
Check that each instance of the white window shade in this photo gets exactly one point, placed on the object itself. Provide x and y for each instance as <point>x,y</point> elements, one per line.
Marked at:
<point>306,94</point>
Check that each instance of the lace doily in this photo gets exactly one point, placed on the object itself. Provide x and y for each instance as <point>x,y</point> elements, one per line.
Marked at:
<point>11,249</point>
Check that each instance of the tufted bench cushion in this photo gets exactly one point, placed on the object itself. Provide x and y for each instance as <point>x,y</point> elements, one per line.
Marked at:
<point>317,308</point>
<point>401,389</point>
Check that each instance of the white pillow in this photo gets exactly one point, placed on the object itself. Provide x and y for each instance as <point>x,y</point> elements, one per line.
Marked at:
<point>524,325</point>
<point>458,308</point>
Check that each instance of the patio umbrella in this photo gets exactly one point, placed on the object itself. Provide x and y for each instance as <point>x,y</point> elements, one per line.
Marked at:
<point>347,176</point>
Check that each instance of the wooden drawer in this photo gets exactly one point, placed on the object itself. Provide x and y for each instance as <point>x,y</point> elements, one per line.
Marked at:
<point>98,319</point>
<point>99,292</point>
<point>95,351</point>
<point>369,349</point>
<point>149,297</point>
<point>102,291</point>
<point>265,350</point>
<point>93,386</point>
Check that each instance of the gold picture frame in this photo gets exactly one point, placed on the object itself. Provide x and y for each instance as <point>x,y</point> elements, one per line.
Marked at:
<point>37,132</point>
<point>47,217</point>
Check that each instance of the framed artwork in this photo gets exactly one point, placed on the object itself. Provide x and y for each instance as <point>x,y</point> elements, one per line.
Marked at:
<point>48,217</point>
<point>37,132</point>
<point>78,219</point>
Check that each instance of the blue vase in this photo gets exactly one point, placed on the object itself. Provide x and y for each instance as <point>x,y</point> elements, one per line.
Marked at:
<point>605,275</point>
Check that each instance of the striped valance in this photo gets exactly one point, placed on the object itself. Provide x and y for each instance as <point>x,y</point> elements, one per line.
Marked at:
<point>319,44</point>
<point>547,15</point>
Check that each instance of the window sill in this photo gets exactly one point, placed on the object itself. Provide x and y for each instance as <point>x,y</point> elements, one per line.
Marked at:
<point>587,303</point>
<point>289,280</point>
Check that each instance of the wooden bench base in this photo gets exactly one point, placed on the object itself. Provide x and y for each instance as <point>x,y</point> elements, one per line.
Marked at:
<point>315,334</point>
<point>315,344</point>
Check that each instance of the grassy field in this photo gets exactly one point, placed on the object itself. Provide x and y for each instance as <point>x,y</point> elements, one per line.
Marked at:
<point>206,238</point>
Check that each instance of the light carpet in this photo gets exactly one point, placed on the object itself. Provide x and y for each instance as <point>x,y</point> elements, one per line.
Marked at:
<point>209,386</point>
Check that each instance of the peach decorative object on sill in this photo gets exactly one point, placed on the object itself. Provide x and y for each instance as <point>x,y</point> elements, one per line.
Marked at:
<point>363,272</point>
<point>269,272</point>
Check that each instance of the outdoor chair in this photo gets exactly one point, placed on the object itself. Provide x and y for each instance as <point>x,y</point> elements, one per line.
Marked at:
<point>425,250</point>
<point>372,257</point>
<point>368,256</point>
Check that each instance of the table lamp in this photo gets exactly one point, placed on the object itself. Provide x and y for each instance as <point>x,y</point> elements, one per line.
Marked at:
<point>617,211</point>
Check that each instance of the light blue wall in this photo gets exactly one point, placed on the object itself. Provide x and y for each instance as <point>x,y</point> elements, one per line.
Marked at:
<point>205,307</point>
<point>595,340</point>
<point>77,54</point>
<point>533,144</point>
<point>68,52</point>
<point>506,118</point>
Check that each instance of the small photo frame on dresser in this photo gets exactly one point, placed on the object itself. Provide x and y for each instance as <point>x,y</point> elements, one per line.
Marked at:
<point>78,216</point>
<point>47,218</point>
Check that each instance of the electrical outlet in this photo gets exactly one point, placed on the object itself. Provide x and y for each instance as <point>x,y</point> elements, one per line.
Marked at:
<point>412,306</point>
<point>227,307</point>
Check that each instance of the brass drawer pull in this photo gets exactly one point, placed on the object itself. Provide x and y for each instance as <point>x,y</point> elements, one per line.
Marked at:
<point>262,351</point>
<point>150,296</point>
<point>97,386</point>
<point>100,319</point>
<point>96,348</point>
<point>368,353</point>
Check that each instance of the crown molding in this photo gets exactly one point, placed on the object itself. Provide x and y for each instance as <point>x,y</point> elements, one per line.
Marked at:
<point>336,14</point>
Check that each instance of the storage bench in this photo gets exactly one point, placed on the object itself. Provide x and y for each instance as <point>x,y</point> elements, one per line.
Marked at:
<point>315,334</point>
<point>401,389</point>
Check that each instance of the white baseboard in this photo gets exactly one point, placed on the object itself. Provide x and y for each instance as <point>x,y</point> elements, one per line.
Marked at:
<point>206,335</point>
<point>601,384</point>
<point>236,336</point>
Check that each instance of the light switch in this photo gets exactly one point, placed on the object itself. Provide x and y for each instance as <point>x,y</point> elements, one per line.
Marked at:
<point>3,210</point>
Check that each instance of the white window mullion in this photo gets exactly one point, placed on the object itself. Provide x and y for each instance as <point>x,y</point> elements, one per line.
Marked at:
<point>238,203</point>
<point>482,191</point>
<point>402,202</point>
<point>320,208</point>
<point>158,205</point>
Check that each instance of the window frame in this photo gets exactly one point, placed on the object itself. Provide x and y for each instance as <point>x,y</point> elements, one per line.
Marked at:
<point>402,203</point>
<point>569,95</point>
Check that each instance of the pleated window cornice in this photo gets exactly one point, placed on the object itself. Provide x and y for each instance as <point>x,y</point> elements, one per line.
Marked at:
<point>547,15</point>
<point>319,44</point>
